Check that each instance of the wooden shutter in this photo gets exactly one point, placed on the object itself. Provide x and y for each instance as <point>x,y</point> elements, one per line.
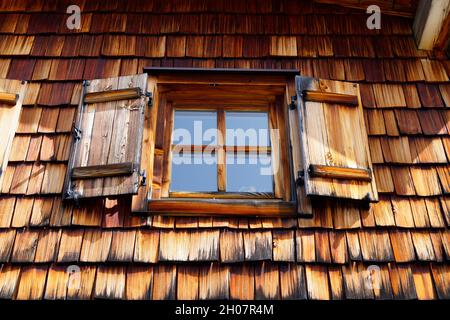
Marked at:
<point>334,140</point>
<point>106,150</point>
<point>12,93</point>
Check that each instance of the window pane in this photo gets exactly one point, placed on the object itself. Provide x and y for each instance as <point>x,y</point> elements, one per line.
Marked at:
<point>247,128</point>
<point>249,172</point>
<point>194,172</point>
<point>195,127</point>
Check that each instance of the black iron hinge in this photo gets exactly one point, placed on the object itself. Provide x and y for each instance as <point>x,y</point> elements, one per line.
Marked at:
<point>300,181</point>
<point>77,133</point>
<point>149,95</point>
<point>143,175</point>
<point>293,105</point>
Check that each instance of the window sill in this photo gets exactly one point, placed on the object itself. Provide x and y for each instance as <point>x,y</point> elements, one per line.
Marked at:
<point>223,207</point>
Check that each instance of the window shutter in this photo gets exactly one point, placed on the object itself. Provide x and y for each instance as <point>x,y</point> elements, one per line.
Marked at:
<point>334,140</point>
<point>12,93</point>
<point>106,150</point>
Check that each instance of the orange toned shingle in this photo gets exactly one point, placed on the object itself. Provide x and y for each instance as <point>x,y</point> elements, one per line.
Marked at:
<point>57,281</point>
<point>408,122</point>
<point>317,282</point>
<point>267,285</point>
<point>283,245</point>
<point>355,282</point>
<point>383,179</point>
<point>305,243</point>
<point>9,278</point>
<point>402,246</point>
<point>435,213</point>
<point>20,179</point>
<point>432,122</point>
<point>423,282</point>
<point>36,178</point>
<point>425,181</point>
<point>122,245</point>
<point>24,249</point>
<point>322,245</point>
<point>232,46</point>
<point>214,282</point>
<point>53,178</point>
<point>375,122</point>
<point>429,95</point>
<point>396,150</point>
<point>401,208</point>
<point>147,246</point>
<point>423,245</point>
<point>164,282</point>
<point>6,243</point>
<point>53,94</point>
<point>66,69</point>
<point>292,281</point>
<point>257,245</point>
<point>6,210</point>
<point>19,148</point>
<point>434,71</point>
<point>354,71</point>
<point>110,282</point>
<point>42,210</point>
<point>376,152</point>
<point>231,246</point>
<point>32,283</point>
<point>338,246</point>
<point>336,284</point>
<point>427,150</point>
<point>16,45</point>
<point>22,212</point>
<point>411,96</point>
<point>382,212</point>
<point>41,69</point>
<point>375,246</point>
<point>4,67</point>
<point>420,213</point>
<point>139,282</point>
<point>70,245</point>
<point>242,282</point>
<point>283,46</point>
<point>96,246</point>
<point>187,282</point>
<point>389,95</point>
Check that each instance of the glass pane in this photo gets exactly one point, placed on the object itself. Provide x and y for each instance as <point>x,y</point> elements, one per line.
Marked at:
<point>247,128</point>
<point>249,172</point>
<point>195,172</point>
<point>195,127</point>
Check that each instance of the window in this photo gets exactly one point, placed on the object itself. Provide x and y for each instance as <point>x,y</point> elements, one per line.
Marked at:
<point>222,150</point>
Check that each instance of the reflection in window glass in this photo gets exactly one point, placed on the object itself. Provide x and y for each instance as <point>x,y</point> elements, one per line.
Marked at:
<point>195,172</point>
<point>196,125</point>
<point>249,172</point>
<point>247,128</point>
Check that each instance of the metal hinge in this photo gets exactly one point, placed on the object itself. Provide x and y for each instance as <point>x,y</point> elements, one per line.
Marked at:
<point>74,195</point>
<point>300,181</point>
<point>77,133</point>
<point>150,99</point>
<point>292,105</point>
<point>143,175</point>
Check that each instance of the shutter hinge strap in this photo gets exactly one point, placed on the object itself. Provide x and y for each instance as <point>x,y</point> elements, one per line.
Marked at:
<point>292,105</point>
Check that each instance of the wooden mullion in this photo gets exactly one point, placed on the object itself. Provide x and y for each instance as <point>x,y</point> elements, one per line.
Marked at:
<point>167,158</point>
<point>275,156</point>
<point>221,155</point>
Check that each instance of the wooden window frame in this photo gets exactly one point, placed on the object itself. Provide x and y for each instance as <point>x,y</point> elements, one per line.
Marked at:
<point>269,89</point>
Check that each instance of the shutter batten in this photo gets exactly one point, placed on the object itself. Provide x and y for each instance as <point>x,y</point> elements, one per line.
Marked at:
<point>334,140</point>
<point>106,150</point>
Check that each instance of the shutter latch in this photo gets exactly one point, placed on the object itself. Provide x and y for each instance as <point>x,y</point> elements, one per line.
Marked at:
<point>143,175</point>
<point>77,133</point>
<point>292,105</point>
<point>300,181</point>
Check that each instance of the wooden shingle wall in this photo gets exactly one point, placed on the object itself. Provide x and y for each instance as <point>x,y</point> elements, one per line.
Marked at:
<point>405,93</point>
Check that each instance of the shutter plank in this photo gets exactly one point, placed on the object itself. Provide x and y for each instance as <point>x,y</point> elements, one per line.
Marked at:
<point>335,142</point>
<point>104,161</point>
<point>12,93</point>
<point>304,206</point>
